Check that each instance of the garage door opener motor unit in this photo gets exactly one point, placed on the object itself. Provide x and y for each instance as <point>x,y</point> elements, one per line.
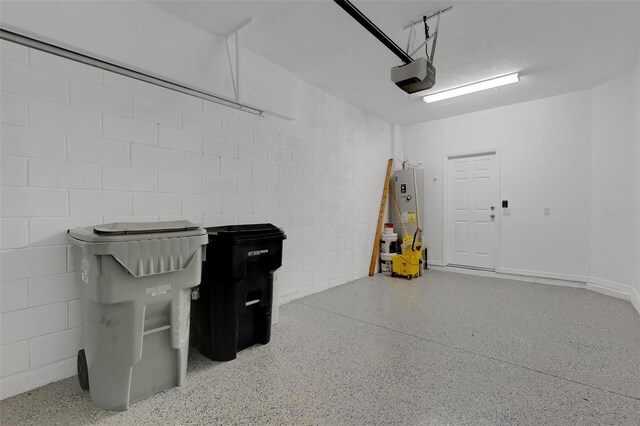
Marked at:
<point>415,75</point>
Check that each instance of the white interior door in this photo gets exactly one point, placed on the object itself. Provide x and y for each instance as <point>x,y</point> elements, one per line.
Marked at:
<point>472,211</point>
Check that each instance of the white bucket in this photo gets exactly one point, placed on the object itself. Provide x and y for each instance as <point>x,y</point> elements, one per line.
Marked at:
<point>388,243</point>
<point>385,262</point>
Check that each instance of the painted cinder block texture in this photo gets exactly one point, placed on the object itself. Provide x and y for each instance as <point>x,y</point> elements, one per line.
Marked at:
<point>81,146</point>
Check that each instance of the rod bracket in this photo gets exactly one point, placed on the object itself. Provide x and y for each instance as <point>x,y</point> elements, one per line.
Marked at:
<point>235,75</point>
<point>37,42</point>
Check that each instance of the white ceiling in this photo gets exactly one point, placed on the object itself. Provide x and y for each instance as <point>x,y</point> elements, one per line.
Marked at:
<point>558,47</point>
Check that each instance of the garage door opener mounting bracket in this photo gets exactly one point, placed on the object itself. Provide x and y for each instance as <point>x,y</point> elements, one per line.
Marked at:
<point>413,75</point>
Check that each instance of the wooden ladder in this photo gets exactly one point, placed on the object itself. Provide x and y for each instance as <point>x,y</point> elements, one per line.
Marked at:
<point>383,204</point>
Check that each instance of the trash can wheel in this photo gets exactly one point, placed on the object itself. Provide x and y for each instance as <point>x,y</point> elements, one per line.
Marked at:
<point>409,277</point>
<point>83,370</point>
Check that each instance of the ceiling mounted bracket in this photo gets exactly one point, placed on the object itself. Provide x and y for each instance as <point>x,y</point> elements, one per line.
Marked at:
<point>235,76</point>
<point>413,75</point>
<point>428,15</point>
<point>422,20</point>
<point>435,39</point>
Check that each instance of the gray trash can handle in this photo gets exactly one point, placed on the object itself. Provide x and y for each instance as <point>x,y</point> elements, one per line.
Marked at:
<point>142,258</point>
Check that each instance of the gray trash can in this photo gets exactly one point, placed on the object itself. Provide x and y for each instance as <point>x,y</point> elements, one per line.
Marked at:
<point>135,281</point>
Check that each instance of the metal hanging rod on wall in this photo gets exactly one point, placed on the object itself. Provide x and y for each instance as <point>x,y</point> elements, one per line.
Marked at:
<point>428,15</point>
<point>35,42</point>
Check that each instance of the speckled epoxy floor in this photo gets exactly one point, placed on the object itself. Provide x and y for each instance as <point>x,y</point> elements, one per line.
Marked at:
<point>447,349</point>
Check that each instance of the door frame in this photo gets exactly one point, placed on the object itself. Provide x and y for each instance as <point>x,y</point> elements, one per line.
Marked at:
<point>445,203</point>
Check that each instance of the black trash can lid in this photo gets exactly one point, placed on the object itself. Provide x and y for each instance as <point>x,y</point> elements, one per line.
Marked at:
<point>246,231</point>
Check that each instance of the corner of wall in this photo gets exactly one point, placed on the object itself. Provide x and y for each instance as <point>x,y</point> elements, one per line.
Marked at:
<point>636,173</point>
<point>589,270</point>
<point>396,147</point>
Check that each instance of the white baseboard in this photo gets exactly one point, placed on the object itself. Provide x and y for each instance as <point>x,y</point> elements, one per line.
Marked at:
<point>313,289</point>
<point>635,299</point>
<point>516,277</point>
<point>541,274</point>
<point>610,288</point>
<point>31,379</point>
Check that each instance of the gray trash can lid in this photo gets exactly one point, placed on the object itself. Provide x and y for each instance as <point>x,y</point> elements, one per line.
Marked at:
<point>125,231</point>
<point>122,228</point>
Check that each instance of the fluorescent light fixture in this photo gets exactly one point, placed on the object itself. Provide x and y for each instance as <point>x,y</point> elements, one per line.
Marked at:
<point>473,87</point>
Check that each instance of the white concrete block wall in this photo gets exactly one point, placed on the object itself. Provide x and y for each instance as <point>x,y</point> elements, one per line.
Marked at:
<point>81,146</point>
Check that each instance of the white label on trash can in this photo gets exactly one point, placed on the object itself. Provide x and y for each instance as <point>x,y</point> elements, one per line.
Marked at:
<point>158,290</point>
<point>258,252</point>
<point>84,270</point>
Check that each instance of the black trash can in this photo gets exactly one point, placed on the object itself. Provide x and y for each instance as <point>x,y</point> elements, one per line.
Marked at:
<point>233,310</point>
